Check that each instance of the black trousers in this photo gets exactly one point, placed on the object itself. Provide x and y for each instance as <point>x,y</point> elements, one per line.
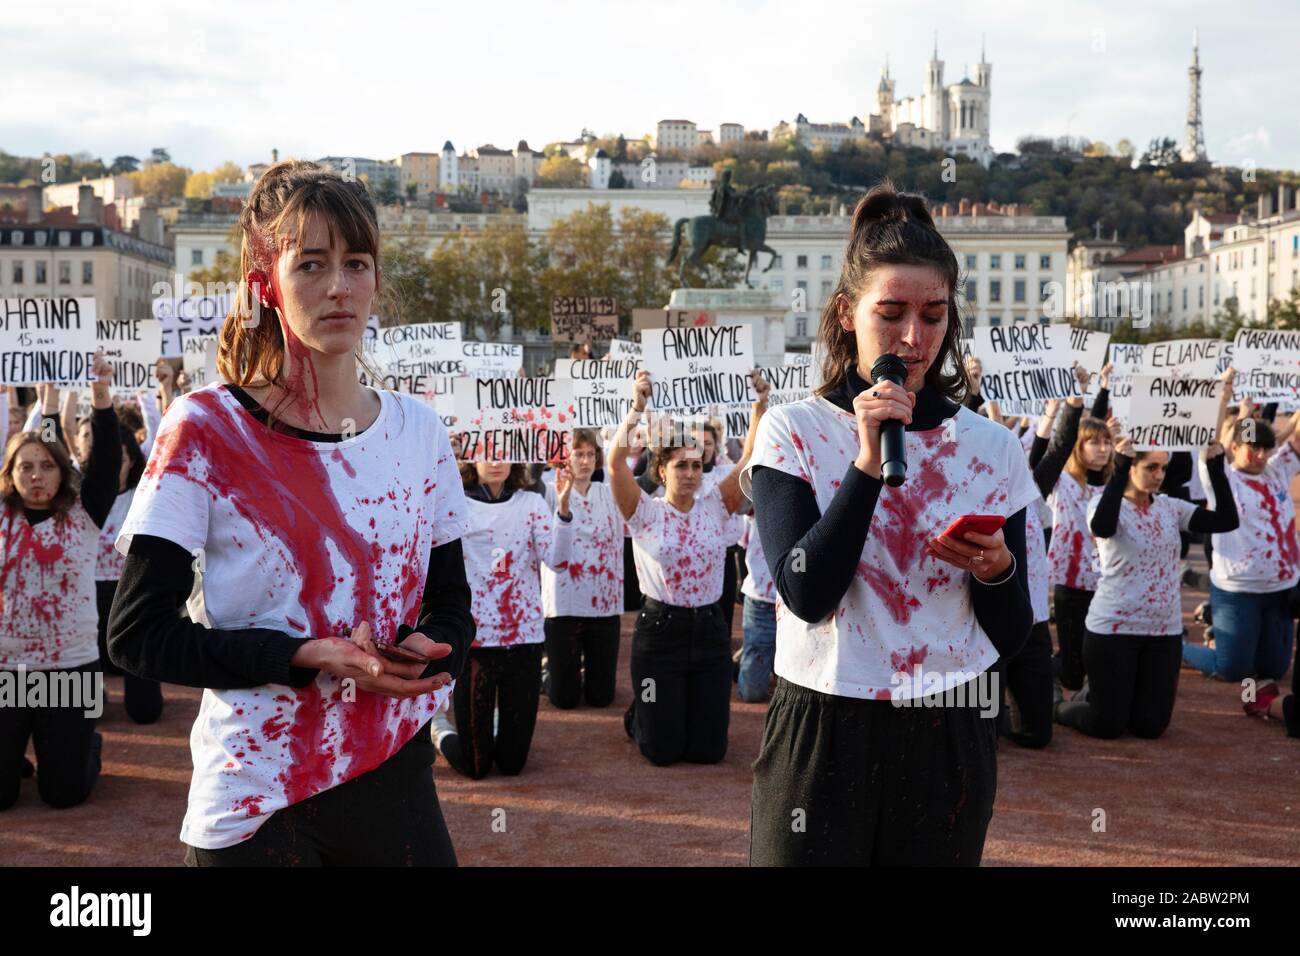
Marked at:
<point>1132,683</point>
<point>731,578</point>
<point>143,697</point>
<point>505,680</point>
<point>846,782</point>
<point>681,683</point>
<point>1028,679</point>
<point>67,750</point>
<point>387,817</point>
<point>631,584</point>
<point>1070,607</point>
<point>581,660</point>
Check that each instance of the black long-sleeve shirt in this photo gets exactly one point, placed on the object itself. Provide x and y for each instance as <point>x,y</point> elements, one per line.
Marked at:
<point>797,536</point>
<point>102,475</point>
<point>1105,520</point>
<point>148,636</point>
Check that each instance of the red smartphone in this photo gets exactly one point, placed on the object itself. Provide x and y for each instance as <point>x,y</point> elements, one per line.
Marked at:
<point>980,524</point>
<point>400,655</point>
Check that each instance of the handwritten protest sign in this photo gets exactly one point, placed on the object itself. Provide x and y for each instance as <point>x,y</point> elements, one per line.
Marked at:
<point>423,341</point>
<point>796,358</point>
<point>46,340</point>
<point>1171,413</point>
<point>192,316</point>
<point>789,382</point>
<point>1268,365</point>
<point>1089,348</point>
<point>199,360</point>
<point>491,359</point>
<point>1025,364</point>
<point>132,347</point>
<point>583,318</point>
<point>624,349</point>
<point>513,419</point>
<point>602,389</point>
<point>1126,361</point>
<point>708,365</point>
<point>1191,358</point>
<point>643,319</point>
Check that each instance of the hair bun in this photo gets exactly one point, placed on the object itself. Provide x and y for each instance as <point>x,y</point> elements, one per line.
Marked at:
<point>883,204</point>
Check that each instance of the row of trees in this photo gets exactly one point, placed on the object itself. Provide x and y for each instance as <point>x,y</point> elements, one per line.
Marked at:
<point>1227,322</point>
<point>499,274</point>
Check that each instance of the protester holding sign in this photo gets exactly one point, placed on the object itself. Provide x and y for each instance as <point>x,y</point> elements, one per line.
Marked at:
<point>325,519</point>
<point>681,647</point>
<point>49,534</point>
<point>583,597</point>
<point>1254,567</point>
<point>510,536</point>
<point>889,628</point>
<point>1132,647</point>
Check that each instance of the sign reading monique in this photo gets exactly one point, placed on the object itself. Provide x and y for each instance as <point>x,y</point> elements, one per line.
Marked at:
<point>525,420</point>
<point>47,340</point>
<point>708,365</point>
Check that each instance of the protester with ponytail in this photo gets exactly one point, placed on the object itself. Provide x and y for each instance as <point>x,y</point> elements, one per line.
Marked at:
<point>881,735</point>
<point>321,521</point>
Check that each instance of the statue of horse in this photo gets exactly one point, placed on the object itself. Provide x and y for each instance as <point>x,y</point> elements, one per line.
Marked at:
<point>746,234</point>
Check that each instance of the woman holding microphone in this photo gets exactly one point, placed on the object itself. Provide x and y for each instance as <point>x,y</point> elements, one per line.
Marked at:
<point>681,646</point>
<point>860,763</point>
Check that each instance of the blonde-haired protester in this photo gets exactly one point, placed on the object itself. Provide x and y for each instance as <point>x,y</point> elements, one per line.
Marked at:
<point>49,540</point>
<point>879,610</point>
<point>322,521</point>
<point>681,645</point>
<point>1132,647</point>
<point>509,536</point>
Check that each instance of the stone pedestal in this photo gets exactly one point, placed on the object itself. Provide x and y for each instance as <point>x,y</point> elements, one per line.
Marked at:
<point>763,309</point>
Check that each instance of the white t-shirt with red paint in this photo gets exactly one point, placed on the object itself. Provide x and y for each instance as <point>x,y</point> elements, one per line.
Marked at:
<point>110,561</point>
<point>309,538</point>
<point>679,555</point>
<point>1036,556</point>
<point>904,609</point>
<point>758,581</point>
<point>505,545</point>
<point>590,582</point>
<point>48,613</point>
<point>1073,555</point>
<point>1138,592</point>
<point>1261,556</point>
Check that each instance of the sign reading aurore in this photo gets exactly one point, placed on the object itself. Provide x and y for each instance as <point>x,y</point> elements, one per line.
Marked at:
<point>708,365</point>
<point>1173,414</point>
<point>47,340</point>
<point>1025,364</point>
<point>513,419</point>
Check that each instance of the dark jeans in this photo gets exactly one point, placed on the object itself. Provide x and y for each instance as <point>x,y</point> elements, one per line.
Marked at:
<point>1132,683</point>
<point>581,660</point>
<point>841,781</point>
<point>506,680</point>
<point>1252,636</point>
<point>143,697</point>
<point>1028,678</point>
<point>387,817</point>
<point>1070,606</point>
<point>681,683</point>
<point>631,584</point>
<point>732,561</point>
<point>67,749</point>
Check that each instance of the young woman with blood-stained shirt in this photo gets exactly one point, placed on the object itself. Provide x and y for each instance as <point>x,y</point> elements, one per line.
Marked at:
<point>877,610</point>
<point>510,534</point>
<point>50,518</point>
<point>583,596</point>
<point>322,520</point>
<point>681,645</point>
<point>1253,568</point>
<point>1132,648</point>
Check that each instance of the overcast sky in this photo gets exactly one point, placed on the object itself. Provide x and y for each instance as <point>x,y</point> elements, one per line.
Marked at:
<point>213,81</point>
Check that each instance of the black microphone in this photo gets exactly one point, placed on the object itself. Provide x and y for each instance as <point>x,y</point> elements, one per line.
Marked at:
<point>893,444</point>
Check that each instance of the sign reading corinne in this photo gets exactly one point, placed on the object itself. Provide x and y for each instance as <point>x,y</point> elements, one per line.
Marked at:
<point>708,365</point>
<point>46,340</point>
<point>524,420</point>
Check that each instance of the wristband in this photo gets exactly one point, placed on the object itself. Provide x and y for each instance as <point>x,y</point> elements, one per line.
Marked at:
<point>1011,572</point>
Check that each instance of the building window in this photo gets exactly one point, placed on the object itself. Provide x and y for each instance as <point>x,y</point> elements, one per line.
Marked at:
<point>995,260</point>
<point>778,285</point>
<point>969,323</point>
<point>801,262</point>
<point>970,290</point>
<point>18,273</point>
<point>40,273</point>
<point>995,290</point>
<point>15,238</point>
<point>87,238</point>
<point>1020,261</point>
<point>1044,290</point>
<point>1169,301</point>
<point>1045,261</point>
<point>826,262</point>
<point>778,263</point>
<point>801,326</point>
<point>65,273</point>
<point>1184,298</point>
<point>87,273</point>
<point>65,237</point>
<point>970,262</point>
<point>1018,317</point>
<point>196,257</point>
<point>1295,245</point>
<point>995,320</point>
<point>826,289</point>
<point>1044,320</point>
<point>1020,290</point>
<point>1200,296</point>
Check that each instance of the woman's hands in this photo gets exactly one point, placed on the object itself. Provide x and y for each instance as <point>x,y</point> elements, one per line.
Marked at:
<point>1083,378</point>
<point>100,394</point>
<point>873,405</point>
<point>1105,374</point>
<point>563,487</point>
<point>358,658</point>
<point>984,555</point>
<point>1124,446</point>
<point>640,391</point>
